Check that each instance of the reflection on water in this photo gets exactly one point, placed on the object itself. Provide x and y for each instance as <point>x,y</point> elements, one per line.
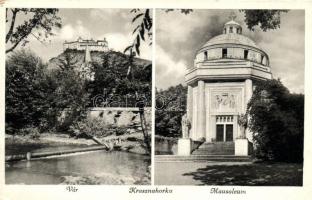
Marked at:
<point>99,167</point>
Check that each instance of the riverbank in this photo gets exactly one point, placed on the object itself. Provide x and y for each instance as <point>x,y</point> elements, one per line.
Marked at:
<point>58,142</point>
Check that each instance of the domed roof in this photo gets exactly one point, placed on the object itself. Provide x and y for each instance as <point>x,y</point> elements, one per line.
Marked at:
<point>231,38</point>
<point>232,22</point>
<point>232,34</point>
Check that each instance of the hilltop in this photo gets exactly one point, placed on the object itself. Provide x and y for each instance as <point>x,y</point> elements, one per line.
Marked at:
<point>78,57</point>
<point>112,72</point>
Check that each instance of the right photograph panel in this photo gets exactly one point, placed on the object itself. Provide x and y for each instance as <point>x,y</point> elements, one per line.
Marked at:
<point>229,97</point>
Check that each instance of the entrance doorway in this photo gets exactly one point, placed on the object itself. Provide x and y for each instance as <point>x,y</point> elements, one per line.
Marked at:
<point>224,129</point>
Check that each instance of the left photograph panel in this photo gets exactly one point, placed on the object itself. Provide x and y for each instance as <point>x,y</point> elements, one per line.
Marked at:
<point>78,95</point>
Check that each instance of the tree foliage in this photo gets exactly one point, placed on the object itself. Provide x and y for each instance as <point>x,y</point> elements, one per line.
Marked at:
<point>38,22</point>
<point>27,91</point>
<point>143,27</point>
<point>142,30</point>
<point>277,122</point>
<point>115,77</point>
<point>266,19</point>
<point>170,107</point>
<point>36,97</point>
<point>71,96</point>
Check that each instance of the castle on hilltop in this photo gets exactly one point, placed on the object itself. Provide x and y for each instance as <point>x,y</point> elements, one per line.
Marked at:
<point>81,44</point>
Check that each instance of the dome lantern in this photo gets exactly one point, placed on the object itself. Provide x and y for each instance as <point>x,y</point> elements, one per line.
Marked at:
<point>231,46</point>
<point>232,26</point>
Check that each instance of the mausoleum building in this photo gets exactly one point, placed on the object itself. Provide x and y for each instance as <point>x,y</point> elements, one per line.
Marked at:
<point>220,84</point>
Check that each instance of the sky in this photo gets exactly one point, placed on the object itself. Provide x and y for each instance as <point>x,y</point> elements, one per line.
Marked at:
<point>113,24</point>
<point>178,36</point>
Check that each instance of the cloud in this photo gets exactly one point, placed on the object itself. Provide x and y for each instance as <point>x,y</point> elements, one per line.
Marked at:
<point>109,13</point>
<point>168,71</point>
<point>73,31</point>
<point>117,41</point>
<point>180,36</point>
<point>107,17</point>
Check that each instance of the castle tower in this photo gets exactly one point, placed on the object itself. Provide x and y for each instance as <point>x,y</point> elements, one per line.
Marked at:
<point>220,84</point>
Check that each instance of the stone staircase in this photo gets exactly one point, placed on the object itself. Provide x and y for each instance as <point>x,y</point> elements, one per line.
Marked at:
<point>215,148</point>
<point>202,158</point>
<point>208,152</point>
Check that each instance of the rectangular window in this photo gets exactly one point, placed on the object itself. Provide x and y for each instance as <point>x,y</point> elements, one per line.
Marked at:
<point>245,54</point>
<point>224,53</point>
<point>206,55</point>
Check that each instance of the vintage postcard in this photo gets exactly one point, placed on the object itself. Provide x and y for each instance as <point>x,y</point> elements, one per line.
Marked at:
<point>155,100</point>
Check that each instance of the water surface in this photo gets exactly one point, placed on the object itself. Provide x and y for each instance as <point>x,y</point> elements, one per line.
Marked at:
<point>98,167</point>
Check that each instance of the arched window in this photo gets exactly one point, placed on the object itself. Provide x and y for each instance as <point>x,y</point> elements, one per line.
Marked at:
<point>205,55</point>
<point>262,59</point>
<point>239,30</point>
<point>231,29</point>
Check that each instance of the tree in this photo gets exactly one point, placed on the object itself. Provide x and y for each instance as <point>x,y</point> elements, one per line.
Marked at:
<point>277,122</point>
<point>27,91</point>
<point>266,19</point>
<point>68,62</point>
<point>113,76</point>
<point>144,27</point>
<point>38,22</point>
<point>71,96</point>
<point>170,107</point>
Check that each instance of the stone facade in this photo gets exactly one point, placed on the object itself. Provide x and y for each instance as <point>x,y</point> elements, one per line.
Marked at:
<point>220,84</point>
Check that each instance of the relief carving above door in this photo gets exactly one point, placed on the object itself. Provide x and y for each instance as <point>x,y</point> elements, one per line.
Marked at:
<point>224,102</point>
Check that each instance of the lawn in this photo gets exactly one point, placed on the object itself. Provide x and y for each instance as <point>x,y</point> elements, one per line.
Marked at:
<point>253,174</point>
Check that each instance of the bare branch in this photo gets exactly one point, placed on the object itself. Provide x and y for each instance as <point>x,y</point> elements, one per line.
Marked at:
<point>10,32</point>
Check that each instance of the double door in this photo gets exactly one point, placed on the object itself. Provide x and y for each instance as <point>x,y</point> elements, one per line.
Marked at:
<point>224,128</point>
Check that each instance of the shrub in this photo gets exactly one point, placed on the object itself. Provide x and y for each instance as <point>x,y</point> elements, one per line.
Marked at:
<point>94,127</point>
<point>277,122</point>
<point>33,132</point>
<point>170,107</point>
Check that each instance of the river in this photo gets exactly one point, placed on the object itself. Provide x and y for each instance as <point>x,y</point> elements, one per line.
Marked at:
<point>100,167</point>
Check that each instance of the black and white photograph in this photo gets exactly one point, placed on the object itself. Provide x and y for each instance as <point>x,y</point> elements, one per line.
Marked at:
<point>229,97</point>
<point>78,93</point>
<point>159,99</point>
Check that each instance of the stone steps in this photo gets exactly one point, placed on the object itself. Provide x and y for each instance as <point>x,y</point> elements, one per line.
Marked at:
<point>215,148</point>
<point>202,158</point>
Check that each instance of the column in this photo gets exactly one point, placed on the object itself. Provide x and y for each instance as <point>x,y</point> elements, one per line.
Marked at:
<point>201,111</point>
<point>248,95</point>
<point>189,107</point>
<point>248,91</point>
<point>189,102</point>
<point>236,128</point>
<point>212,129</point>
